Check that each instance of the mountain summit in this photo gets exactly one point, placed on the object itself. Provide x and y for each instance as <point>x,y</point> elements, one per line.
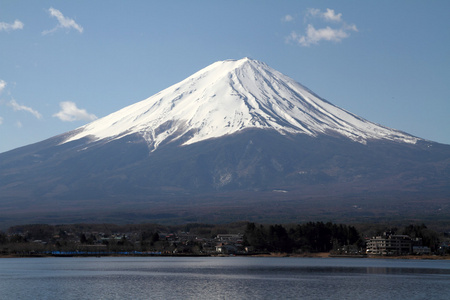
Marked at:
<point>230,96</point>
<point>235,141</point>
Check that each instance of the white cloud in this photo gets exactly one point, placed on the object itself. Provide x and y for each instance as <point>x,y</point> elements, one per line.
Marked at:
<point>2,85</point>
<point>1,120</point>
<point>13,26</point>
<point>350,27</point>
<point>16,107</point>
<point>313,36</point>
<point>70,112</point>
<point>19,124</point>
<point>313,12</point>
<point>287,18</point>
<point>329,15</point>
<point>64,22</point>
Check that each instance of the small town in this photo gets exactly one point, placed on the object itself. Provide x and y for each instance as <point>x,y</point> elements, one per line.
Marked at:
<point>214,240</point>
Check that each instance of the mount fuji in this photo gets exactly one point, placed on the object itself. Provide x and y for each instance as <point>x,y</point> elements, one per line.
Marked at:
<point>236,140</point>
<point>230,96</point>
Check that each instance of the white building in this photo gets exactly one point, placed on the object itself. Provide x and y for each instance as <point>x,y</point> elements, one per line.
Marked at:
<point>389,244</point>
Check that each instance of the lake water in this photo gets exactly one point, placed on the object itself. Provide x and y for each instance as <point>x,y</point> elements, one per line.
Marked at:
<point>222,278</point>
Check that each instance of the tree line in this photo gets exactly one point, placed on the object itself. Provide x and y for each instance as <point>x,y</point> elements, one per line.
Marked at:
<point>309,237</point>
<point>287,238</point>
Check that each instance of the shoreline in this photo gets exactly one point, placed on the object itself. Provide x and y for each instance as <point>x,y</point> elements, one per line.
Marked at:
<point>330,255</point>
<point>304,255</point>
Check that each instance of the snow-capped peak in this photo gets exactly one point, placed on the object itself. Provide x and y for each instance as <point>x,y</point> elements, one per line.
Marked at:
<point>229,96</point>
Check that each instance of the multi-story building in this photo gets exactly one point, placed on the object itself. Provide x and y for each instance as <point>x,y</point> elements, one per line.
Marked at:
<point>389,244</point>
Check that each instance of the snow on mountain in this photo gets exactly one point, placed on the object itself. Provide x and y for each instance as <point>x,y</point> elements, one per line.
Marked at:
<point>229,96</point>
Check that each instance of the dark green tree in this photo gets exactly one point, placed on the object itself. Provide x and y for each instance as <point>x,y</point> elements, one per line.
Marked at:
<point>83,239</point>
<point>278,239</point>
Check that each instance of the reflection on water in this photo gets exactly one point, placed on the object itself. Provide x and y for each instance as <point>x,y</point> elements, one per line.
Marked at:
<point>222,278</point>
<point>405,271</point>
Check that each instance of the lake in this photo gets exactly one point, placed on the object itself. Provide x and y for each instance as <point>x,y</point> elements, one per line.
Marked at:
<point>223,278</point>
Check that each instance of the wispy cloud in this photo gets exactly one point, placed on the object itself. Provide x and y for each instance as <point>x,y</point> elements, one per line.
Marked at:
<point>11,26</point>
<point>63,22</point>
<point>312,36</point>
<point>2,85</point>
<point>17,107</point>
<point>329,15</point>
<point>312,12</point>
<point>1,120</point>
<point>287,18</point>
<point>19,124</point>
<point>70,112</point>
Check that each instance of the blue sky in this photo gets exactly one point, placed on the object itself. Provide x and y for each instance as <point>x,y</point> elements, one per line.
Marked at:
<point>65,63</point>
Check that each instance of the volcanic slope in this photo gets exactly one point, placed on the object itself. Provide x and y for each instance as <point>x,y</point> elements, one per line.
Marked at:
<point>233,141</point>
<point>227,97</point>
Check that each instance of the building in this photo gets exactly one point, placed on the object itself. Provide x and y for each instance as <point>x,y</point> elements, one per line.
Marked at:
<point>235,238</point>
<point>226,248</point>
<point>389,244</point>
<point>419,250</point>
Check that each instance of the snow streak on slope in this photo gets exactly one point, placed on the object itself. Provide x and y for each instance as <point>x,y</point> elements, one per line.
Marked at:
<point>229,96</point>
